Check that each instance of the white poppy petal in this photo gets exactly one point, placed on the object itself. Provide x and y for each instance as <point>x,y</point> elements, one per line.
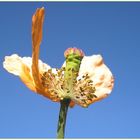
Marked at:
<point>99,73</point>
<point>21,66</point>
<point>13,64</point>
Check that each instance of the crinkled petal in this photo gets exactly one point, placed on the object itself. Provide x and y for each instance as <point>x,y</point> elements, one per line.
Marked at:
<point>99,73</point>
<point>22,67</point>
<point>15,65</point>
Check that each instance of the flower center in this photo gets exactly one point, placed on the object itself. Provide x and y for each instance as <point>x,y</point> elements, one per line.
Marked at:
<point>82,90</point>
<point>63,84</point>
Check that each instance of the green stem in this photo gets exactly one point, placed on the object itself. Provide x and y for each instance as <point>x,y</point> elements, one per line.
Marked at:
<point>64,104</point>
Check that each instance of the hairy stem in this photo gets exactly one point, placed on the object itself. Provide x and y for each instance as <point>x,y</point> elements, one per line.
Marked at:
<point>64,104</point>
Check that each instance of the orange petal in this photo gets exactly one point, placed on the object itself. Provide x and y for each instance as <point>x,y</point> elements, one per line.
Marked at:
<point>30,70</point>
<point>37,25</point>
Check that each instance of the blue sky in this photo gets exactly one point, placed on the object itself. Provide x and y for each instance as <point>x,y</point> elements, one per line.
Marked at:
<point>109,29</point>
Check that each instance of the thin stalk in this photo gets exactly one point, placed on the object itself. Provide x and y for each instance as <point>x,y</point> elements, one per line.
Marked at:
<point>64,104</point>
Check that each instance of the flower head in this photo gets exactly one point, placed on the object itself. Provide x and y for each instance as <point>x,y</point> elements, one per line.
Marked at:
<point>83,79</point>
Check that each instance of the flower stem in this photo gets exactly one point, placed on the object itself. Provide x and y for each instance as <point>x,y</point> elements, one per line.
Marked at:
<point>64,104</point>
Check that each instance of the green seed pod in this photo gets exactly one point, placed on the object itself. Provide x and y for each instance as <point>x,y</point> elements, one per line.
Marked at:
<point>73,60</point>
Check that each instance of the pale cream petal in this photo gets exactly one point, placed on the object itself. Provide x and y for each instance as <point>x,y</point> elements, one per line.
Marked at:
<point>42,66</point>
<point>99,73</point>
<point>22,67</point>
<point>15,65</point>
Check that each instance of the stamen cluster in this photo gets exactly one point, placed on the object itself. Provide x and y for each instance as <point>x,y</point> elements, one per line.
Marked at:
<point>54,83</point>
<point>82,91</point>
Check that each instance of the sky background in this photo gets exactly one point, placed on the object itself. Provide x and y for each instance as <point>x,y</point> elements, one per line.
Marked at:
<point>109,29</point>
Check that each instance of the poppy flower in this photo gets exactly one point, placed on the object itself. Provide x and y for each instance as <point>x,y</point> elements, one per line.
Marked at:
<point>82,79</point>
